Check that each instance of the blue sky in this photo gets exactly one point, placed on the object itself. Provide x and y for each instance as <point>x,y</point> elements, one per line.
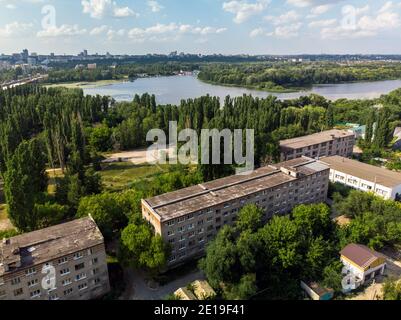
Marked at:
<point>201,26</point>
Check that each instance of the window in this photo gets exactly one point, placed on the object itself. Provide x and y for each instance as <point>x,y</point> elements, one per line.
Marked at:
<point>18,292</point>
<point>96,281</point>
<point>33,283</point>
<point>30,271</point>
<point>79,266</point>
<point>53,297</point>
<point>95,271</point>
<point>78,255</point>
<point>16,281</point>
<point>170,223</point>
<point>63,260</point>
<point>83,286</point>
<point>35,294</point>
<point>95,260</point>
<point>68,292</point>
<point>80,276</point>
<point>66,282</point>
<point>64,271</point>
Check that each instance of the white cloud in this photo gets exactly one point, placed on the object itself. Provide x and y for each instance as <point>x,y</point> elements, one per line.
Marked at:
<point>319,10</point>
<point>15,29</point>
<point>363,25</point>
<point>257,32</point>
<point>63,30</point>
<point>155,6</point>
<point>287,31</point>
<point>243,10</point>
<point>322,23</point>
<point>111,34</point>
<point>99,8</point>
<point>99,30</point>
<point>308,3</point>
<point>285,18</point>
<point>281,31</point>
<point>165,31</point>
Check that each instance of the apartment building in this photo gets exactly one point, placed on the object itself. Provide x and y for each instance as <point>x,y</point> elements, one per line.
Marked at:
<point>63,262</point>
<point>322,144</point>
<point>189,218</point>
<point>364,177</point>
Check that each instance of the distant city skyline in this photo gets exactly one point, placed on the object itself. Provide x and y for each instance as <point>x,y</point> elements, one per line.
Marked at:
<point>201,26</point>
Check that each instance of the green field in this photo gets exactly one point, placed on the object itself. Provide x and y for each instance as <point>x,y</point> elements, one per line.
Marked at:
<point>120,175</point>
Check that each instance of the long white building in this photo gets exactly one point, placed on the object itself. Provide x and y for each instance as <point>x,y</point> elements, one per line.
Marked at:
<point>364,177</point>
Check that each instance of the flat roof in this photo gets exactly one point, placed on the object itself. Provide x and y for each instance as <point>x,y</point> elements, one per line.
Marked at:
<point>203,196</point>
<point>364,171</point>
<point>44,245</point>
<point>313,139</point>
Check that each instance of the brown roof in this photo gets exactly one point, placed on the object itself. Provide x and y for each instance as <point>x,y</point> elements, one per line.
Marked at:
<point>44,245</point>
<point>317,138</point>
<point>361,255</point>
<point>185,294</point>
<point>364,171</point>
<point>178,203</point>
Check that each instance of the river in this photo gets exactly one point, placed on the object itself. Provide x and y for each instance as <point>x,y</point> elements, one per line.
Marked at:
<point>170,90</point>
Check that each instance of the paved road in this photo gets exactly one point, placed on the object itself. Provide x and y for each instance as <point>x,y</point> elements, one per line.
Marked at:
<point>138,288</point>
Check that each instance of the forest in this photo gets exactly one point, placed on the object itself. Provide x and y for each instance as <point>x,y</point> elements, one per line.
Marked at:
<point>117,72</point>
<point>278,76</point>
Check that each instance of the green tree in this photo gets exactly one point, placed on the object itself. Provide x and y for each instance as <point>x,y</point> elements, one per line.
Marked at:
<point>106,210</point>
<point>370,126</point>
<point>249,218</point>
<point>392,290</point>
<point>22,184</point>
<point>142,248</point>
<point>100,138</point>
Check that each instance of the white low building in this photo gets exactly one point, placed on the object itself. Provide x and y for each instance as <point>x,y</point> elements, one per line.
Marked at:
<point>361,264</point>
<point>364,177</point>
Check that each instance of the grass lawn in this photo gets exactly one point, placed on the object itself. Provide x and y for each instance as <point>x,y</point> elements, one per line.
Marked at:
<point>119,175</point>
<point>115,176</point>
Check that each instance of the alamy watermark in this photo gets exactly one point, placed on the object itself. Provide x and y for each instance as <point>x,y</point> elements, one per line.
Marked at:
<point>238,147</point>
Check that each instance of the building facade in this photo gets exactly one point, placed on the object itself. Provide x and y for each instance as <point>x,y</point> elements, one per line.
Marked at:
<point>63,262</point>
<point>360,265</point>
<point>364,177</point>
<point>189,218</point>
<point>318,145</point>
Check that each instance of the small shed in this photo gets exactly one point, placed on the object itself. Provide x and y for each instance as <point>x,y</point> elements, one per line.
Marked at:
<point>203,290</point>
<point>316,291</point>
<point>184,294</point>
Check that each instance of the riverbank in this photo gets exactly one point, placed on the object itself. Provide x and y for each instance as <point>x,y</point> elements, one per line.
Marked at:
<point>86,84</point>
<point>284,90</point>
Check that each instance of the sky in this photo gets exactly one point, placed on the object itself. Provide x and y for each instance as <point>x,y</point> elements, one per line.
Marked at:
<point>201,26</point>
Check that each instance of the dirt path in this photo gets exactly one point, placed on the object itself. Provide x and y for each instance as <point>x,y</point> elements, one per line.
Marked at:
<point>139,156</point>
